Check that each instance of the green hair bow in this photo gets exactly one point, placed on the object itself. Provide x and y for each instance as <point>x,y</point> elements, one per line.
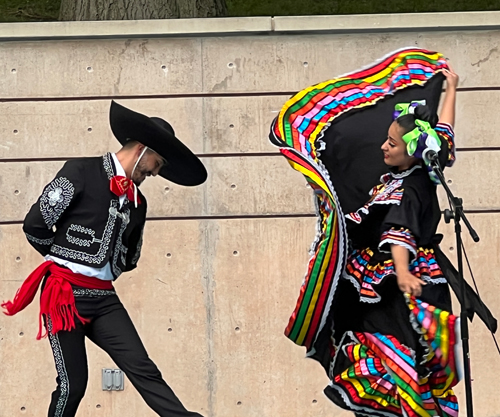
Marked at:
<point>421,138</point>
<point>402,109</point>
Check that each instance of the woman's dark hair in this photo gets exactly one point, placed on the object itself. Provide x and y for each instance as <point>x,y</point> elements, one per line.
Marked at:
<point>407,122</point>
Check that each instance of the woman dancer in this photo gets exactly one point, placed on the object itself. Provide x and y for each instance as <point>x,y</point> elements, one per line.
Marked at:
<point>374,308</point>
<point>385,362</point>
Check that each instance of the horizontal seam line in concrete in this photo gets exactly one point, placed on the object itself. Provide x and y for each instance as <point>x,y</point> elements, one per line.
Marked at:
<point>151,96</point>
<point>246,217</point>
<point>215,217</point>
<point>187,95</point>
<point>207,155</point>
<point>212,155</point>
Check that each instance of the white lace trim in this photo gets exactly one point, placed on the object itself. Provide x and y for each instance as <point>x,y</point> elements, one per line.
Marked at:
<point>342,255</point>
<point>427,278</point>
<point>418,329</point>
<point>341,343</point>
<point>391,241</point>
<point>402,174</point>
<point>360,410</point>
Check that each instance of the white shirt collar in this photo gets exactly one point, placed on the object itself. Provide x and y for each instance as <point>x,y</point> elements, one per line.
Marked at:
<point>118,166</point>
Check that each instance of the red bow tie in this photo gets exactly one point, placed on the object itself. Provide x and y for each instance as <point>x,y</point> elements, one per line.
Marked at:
<point>120,185</point>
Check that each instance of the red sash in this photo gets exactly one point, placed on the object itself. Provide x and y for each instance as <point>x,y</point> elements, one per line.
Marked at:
<point>57,299</point>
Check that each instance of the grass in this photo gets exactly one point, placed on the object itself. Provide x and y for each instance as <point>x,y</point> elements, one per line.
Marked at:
<point>29,10</point>
<point>47,10</point>
<point>328,7</point>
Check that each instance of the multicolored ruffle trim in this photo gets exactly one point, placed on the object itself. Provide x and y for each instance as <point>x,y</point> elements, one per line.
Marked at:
<point>365,274</point>
<point>445,132</point>
<point>390,192</point>
<point>382,378</point>
<point>402,237</point>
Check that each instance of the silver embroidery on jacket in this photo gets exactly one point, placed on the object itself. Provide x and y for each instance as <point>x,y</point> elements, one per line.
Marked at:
<point>137,254</point>
<point>81,241</point>
<point>108,165</point>
<point>104,242</point>
<point>55,199</point>
<point>87,292</point>
<point>45,242</point>
<point>120,248</point>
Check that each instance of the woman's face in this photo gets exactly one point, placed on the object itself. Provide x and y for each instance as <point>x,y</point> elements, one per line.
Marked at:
<point>394,149</point>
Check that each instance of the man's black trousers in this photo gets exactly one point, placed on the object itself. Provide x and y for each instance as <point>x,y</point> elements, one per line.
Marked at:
<point>112,330</point>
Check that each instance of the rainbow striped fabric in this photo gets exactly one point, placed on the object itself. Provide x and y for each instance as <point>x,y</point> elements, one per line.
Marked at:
<point>366,276</point>
<point>399,236</point>
<point>298,130</point>
<point>382,379</point>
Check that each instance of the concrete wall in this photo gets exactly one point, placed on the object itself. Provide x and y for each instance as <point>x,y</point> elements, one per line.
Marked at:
<point>222,263</point>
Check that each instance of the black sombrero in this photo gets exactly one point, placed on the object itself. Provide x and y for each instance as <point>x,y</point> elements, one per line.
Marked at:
<point>183,166</point>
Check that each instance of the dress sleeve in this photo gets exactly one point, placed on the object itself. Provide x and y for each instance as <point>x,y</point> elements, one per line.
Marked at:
<point>401,225</point>
<point>402,237</point>
<point>447,136</point>
<point>55,199</point>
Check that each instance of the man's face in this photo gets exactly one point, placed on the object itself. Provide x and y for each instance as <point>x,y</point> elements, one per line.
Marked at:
<point>150,164</point>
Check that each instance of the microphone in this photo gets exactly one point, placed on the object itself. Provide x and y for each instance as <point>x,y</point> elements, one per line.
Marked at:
<point>430,156</point>
<point>431,147</point>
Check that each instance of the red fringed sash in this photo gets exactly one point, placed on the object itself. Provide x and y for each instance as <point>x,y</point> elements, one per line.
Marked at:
<point>57,300</point>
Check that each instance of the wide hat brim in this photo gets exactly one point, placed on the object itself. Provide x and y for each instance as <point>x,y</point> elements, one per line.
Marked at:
<point>183,167</point>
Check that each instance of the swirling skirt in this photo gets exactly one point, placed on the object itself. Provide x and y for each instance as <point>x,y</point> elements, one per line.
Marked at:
<point>395,356</point>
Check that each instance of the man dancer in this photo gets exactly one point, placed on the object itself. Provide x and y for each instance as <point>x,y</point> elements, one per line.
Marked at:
<point>88,224</point>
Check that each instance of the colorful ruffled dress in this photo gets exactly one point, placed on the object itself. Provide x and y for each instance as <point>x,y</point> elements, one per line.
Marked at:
<point>394,352</point>
<point>387,354</point>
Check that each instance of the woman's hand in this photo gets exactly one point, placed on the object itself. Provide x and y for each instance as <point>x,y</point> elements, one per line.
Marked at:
<point>451,78</point>
<point>409,283</point>
<point>448,110</point>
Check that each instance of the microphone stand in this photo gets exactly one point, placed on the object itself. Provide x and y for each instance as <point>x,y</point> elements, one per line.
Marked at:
<point>457,213</point>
